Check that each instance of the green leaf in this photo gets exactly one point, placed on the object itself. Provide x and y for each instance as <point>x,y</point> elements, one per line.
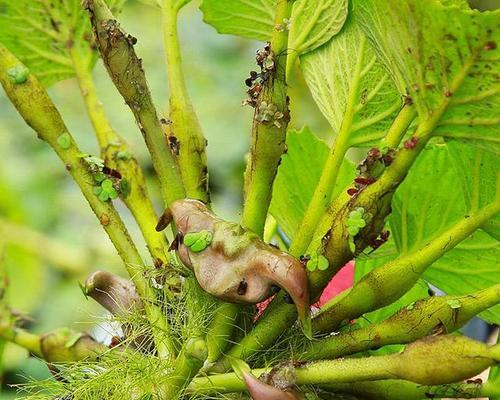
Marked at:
<point>479,174</point>
<point>43,34</point>
<point>445,58</point>
<point>253,19</point>
<point>298,176</point>
<point>317,261</point>
<point>351,88</point>
<point>198,241</point>
<point>313,23</point>
<point>426,204</point>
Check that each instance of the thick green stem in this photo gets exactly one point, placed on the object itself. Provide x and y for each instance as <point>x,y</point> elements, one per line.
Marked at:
<point>35,106</point>
<point>22,338</point>
<point>268,144</point>
<point>432,316</point>
<point>386,284</point>
<point>184,128</point>
<point>454,358</point>
<point>116,154</point>
<point>322,196</point>
<point>125,70</point>
<point>268,136</point>
<point>393,389</point>
<point>399,127</point>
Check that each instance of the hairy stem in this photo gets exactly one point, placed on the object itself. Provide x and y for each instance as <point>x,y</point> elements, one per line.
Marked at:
<point>268,137</point>
<point>426,317</point>
<point>125,70</point>
<point>386,284</point>
<point>35,106</point>
<point>117,155</point>
<point>184,128</point>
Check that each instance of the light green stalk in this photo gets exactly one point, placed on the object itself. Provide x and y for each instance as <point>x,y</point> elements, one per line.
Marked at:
<point>436,315</point>
<point>399,127</point>
<point>268,145</point>
<point>184,124</point>
<point>268,139</point>
<point>125,70</point>
<point>394,389</point>
<point>22,338</point>
<point>433,361</point>
<point>386,284</point>
<point>37,109</point>
<point>117,155</point>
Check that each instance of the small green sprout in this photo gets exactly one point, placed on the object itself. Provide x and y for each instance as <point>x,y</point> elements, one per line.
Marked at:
<point>198,241</point>
<point>123,155</point>
<point>72,340</point>
<point>356,221</point>
<point>410,306</point>
<point>99,176</point>
<point>317,261</point>
<point>64,141</point>
<point>454,303</point>
<point>106,191</point>
<point>95,163</point>
<point>18,74</point>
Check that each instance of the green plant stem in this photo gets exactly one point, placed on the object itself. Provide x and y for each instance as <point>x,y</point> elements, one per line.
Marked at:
<point>400,125</point>
<point>69,259</point>
<point>125,70</point>
<point>425,317</point>
<point>22,338</point>
<point>268,139</point>
<point>322,195</point>
<point>184,126</point>
<point>386,284</point>
<point>33,103</point>
<point>112,145</point>
<point>268,144</point>
<point>454,358</point>
<point>393,389</point>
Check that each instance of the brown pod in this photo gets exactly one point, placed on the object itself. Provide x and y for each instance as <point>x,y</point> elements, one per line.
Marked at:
<point>114,293</point>
<point>236,265</point>
<point>261,391</point>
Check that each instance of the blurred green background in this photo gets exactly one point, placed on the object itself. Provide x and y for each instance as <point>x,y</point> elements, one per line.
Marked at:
<point>49,238</point>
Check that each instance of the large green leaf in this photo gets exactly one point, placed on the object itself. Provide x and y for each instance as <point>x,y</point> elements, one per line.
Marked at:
<point>479,178</point>
<point>43,33</point>
<point>298,176</point>
<point>428,202</point>
<point>253,19</point>
<point>313,22</point>
<point>351,88</point>
<point>445,58</point>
